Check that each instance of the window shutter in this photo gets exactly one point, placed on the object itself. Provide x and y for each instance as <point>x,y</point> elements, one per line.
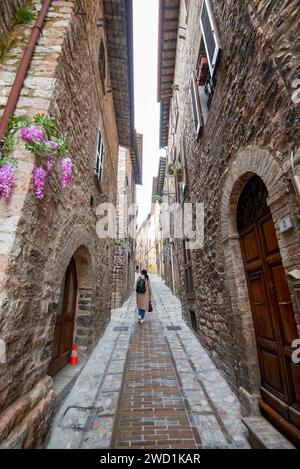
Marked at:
<point>100,157</point>
<point>196,107</point>
<point>210,36</point>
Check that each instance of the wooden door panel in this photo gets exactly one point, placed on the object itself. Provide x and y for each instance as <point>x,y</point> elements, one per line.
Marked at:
<point>269,237</point>
<point>287,315</point>
<point>68,337</point>
<point>271,370</point>
<point>272,310</point>
<point>295,372</point>
<point>64,327</point>
<point>251,247</point>
<point>260,307</point>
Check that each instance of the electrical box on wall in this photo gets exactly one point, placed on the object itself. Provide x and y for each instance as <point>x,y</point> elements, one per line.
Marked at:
<point>285,224</point>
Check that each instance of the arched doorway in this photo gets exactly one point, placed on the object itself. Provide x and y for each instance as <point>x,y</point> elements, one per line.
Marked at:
<point>65,318</point>
<point>272,310</point>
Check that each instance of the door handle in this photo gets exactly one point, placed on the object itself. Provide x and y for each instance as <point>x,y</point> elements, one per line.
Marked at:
<point>285,303</point>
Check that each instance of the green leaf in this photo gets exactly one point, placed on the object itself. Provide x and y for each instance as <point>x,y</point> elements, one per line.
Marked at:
<point>23,16</point>
<point>8,160</point>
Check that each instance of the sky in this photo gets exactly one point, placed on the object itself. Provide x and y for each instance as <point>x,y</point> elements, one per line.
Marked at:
<point>147,115</point>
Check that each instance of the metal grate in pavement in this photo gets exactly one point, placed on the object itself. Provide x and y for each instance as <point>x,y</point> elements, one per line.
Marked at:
<point>121,329</point>
<point>174,328</point>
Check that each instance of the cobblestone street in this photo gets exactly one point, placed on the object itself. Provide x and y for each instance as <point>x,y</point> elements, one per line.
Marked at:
<point>149,386</point>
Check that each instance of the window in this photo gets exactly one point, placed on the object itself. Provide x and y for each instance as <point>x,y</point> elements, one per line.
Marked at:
<point>210,37</point>
<point>180,179</point>
<point>102,65</point>
<point>188,272</point>
<point>100,158</point>
<point>203,82</point>
<point>196,107</point>
<point>193,321</point>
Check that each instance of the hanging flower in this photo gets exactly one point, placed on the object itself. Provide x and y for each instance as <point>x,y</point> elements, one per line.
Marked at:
<point>7,177</point>
<point>45,141</point>
<point>26,134</point>
<point>32,134</point>
<point>49,163</point>
<point>66,169</point>
<point>37,134</point>
<point>52,145</point>
<point>39,175</point>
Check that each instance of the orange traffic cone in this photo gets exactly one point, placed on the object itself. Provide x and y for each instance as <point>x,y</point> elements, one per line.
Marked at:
<point>74,355</point>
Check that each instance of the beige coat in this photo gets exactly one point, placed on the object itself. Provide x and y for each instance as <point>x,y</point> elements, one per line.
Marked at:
<point>142,299</point>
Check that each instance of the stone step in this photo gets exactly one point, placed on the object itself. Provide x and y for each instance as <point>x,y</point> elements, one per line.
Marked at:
<point>263,435</point>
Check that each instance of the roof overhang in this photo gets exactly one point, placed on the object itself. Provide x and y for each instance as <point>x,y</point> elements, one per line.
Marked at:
<point>119,29</point>
<point>161,175</point>
<point>167,44</point>
<point>137,159</point>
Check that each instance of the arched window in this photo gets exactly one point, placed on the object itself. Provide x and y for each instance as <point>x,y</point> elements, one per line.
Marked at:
<point>252,203</point>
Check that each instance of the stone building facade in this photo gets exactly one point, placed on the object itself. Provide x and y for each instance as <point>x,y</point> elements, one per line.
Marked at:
<point>229,92</point>
<point>129,174</point>
<point>74,77</point>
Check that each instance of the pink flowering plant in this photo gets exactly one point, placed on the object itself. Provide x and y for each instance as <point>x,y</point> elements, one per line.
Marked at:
<point>43,138</point>
<point>123,247</point>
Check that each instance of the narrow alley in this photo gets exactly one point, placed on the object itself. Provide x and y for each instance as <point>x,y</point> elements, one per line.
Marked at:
<point>149,385</point>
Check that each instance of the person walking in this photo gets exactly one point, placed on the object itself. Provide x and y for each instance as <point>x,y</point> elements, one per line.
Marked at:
<point>143,294</point>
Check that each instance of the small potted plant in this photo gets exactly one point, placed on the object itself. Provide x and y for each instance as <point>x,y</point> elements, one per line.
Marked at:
<point>169,169</point>
<point>178,171</point>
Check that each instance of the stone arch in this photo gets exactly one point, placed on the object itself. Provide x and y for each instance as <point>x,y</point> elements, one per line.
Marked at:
<point>249,162</point>
<point>85,299</point>
<point>81,246</point>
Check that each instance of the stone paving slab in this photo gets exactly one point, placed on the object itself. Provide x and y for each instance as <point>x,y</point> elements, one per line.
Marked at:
<point>86,417</point>
<point>150,386</point>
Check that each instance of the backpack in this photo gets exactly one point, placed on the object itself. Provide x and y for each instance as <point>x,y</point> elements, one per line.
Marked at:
<point>141,286</point>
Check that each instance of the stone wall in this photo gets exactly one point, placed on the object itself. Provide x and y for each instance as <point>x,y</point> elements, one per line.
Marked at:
<point>39,238</point>
<point>255,106</point>
<point>124,265</point>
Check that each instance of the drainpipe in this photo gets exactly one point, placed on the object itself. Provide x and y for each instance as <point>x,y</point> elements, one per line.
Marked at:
<point>23,68</point>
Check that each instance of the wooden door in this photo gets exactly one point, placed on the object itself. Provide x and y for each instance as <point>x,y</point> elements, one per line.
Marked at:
<point>274,322</point>
<point>64,326</point>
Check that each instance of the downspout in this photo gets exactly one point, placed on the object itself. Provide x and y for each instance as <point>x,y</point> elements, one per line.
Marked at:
<point>23,68</point>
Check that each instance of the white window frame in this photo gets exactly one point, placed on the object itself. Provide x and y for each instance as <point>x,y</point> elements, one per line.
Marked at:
<point>212,63</point>
<point>198,120</point>
<point>99,170</point>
